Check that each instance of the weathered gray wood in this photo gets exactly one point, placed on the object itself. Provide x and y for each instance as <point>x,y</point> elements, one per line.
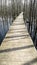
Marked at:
<point>17,48</point>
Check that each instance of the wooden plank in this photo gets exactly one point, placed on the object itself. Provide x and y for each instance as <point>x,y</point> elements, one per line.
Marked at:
<point>17,48</point>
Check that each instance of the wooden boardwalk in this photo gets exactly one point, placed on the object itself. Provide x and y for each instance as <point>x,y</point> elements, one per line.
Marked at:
<point>17,48</point>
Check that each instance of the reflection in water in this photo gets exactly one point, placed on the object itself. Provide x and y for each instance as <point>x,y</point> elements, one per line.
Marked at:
<point>4,27</point>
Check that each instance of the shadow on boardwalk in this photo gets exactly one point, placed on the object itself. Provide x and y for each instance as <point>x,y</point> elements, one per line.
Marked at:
<point>31,62</point>
<point>15,49</point>
<point>17,36</point>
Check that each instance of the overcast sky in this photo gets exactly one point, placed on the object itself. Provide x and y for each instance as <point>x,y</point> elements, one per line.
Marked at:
<point>9,1</point>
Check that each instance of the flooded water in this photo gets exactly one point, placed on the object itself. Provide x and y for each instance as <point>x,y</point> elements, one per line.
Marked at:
<point>4,27</point>
<point>33,35</point>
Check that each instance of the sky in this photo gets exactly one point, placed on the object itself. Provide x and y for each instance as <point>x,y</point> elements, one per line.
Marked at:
<point>25,0</point>
<point>9,1</point>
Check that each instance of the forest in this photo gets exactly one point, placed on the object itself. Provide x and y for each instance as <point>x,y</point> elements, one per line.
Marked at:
<point>10,9</point>
<point>30,18</point>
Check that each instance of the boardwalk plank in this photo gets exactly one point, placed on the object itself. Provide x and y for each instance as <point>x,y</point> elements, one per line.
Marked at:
<point>17,48</point>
